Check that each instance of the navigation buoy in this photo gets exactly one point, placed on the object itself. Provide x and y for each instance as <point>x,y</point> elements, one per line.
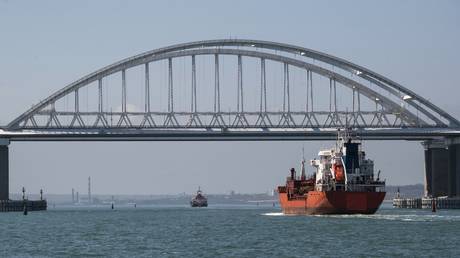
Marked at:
<point>25,208</point>
<point>112,205</point>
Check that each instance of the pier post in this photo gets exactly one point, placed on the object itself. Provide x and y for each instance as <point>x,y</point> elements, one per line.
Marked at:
<point>436,168</point>
<point>4,166</point>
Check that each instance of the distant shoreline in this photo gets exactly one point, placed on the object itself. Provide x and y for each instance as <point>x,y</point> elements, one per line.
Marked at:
<point>408,191</point>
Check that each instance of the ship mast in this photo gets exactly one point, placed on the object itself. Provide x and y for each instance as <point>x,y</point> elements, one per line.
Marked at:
<point>302,176</point>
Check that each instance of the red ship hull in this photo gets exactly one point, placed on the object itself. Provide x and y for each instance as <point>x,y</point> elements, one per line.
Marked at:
<point>332,202</point>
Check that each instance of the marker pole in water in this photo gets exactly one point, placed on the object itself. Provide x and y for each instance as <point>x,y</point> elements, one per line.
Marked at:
<point>433,205</point>
<point>24,203</point>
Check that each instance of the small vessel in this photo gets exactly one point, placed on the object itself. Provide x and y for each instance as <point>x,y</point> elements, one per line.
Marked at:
<point>199,200</point>
<point>342,184</point>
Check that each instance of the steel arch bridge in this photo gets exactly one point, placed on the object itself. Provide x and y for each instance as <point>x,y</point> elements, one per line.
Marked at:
<point>315,94</point>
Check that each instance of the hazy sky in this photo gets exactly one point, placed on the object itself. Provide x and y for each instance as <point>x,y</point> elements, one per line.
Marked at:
<point>45,45</point>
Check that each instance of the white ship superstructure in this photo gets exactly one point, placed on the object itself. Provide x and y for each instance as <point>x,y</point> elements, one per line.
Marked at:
<point>344,167</point>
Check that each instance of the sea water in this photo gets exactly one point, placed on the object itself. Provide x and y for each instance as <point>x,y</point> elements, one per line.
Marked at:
<point>226,231</point>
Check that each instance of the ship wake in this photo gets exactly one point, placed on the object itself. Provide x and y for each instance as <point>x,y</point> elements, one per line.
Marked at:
<point>273,214</point>
<point>398,217</point>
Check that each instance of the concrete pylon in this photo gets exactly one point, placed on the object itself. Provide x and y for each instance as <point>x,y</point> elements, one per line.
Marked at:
<point>454,166</point>
<point>428,191</point>
<point>4,169</point>
<point>436,168</point>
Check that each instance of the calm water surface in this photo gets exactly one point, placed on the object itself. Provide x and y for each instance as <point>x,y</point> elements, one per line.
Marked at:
<point>229,231</point>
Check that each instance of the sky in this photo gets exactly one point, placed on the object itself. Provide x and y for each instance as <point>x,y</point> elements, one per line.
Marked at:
<point>44,45</point>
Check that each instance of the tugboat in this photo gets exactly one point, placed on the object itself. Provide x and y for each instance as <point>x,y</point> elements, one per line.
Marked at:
<point>343,183</point>
<point>199,200</point>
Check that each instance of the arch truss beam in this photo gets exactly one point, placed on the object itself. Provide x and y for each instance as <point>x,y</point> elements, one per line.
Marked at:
<point>395,105</point>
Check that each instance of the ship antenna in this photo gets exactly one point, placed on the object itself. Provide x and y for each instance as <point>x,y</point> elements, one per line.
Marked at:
<point>347,126</point>
<point>303,152</point>
<point>347,133</point>
<point>338,139</point>
<point>302,175</point>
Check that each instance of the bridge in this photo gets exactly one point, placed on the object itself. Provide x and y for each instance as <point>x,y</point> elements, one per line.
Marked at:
<point>235,90</point>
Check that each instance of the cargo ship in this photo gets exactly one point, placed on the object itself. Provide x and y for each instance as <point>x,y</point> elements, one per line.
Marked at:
<point>343,183</point>
<point>199,200</point>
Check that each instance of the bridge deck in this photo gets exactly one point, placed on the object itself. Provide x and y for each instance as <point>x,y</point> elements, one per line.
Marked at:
<point>416,134</point>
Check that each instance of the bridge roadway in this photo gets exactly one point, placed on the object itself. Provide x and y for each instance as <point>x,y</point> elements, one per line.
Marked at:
<point>231,134</point>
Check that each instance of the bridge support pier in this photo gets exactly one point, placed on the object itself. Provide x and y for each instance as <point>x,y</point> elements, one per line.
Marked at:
<point>454,166</point>
<point>436,168</point>
<point>428,190</point>
<point>4,169</point>
<point>442,167</point>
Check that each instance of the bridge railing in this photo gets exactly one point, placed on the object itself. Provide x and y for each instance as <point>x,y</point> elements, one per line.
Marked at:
<point>295,119</point>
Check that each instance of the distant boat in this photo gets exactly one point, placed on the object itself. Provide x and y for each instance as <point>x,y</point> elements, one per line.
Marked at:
<point>199,200</point>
